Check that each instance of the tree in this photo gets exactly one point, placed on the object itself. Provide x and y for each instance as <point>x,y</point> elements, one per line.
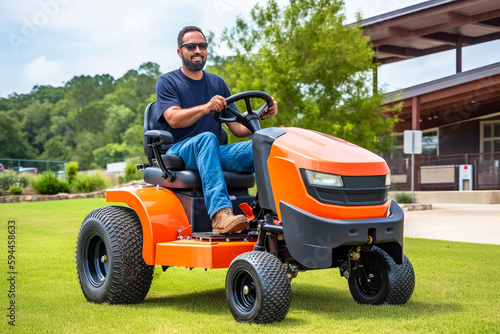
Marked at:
<point>317,69</point>
<point>120,118</point>
<point>150,69</point>
<point>91,116</point>
<point>83,89</point>
<point>36,123</point>
<point>133,139</point>
<point>47,93</point>
<point>13,143</point>
<point>85,144</point>
<point>71,171</point>
<point>135,85</point>
<point>110,153</point>
<point>56,149</point>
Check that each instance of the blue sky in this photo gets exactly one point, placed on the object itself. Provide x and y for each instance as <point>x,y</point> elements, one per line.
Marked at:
<point>47,42</point>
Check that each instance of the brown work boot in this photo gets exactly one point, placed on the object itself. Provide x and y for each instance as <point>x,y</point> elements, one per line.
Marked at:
<point>224,221</point>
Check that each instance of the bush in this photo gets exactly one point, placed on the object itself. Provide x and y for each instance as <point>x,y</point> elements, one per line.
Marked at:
<point>10,178</point>
<point>7,180</point>
<point>131,172</point>
<point>403,198</point>
<point>15,190</point>
<point>71,171</point>
<point>49,184</point>
<point>23,180</point>
<point>88,183</point>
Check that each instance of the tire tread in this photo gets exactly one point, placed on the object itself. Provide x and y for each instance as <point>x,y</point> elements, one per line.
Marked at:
<point>130,276</point>
<point>276,290</point>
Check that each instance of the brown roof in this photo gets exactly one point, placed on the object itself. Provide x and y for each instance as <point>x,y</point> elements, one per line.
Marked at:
<point>451,99</point>
<point>432,26</point>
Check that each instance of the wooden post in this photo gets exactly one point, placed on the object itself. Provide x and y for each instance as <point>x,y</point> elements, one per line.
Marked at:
<point>415,125</point>
<point>459,54</point>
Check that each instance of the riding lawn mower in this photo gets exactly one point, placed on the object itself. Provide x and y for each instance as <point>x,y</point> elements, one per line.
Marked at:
<point>321,203</point>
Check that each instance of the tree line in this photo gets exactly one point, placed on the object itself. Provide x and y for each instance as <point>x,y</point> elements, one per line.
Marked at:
<point>91,120</point>
<point>318,70</point>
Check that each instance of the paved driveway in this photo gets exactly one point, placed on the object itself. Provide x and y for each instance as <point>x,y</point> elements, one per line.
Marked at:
<point>478,223</point>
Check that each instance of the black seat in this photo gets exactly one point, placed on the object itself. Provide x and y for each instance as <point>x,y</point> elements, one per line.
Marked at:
<point>175,175</point>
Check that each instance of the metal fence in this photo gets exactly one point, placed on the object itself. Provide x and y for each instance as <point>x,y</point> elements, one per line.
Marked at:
<point>486,171</point>
<point>40,165</point>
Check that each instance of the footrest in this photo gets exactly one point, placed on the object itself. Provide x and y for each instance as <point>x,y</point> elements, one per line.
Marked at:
<point>200,253</point>
<point>209,236</point>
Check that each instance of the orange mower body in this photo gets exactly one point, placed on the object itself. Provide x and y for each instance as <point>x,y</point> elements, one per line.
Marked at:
<point>168,236</point>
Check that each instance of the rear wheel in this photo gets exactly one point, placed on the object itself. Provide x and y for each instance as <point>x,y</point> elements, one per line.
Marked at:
<point>109,257</point>
<point>257,288</point>
<point>378,279</point>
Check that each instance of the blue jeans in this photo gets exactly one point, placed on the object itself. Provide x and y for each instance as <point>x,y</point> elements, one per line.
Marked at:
<point>204,154</point>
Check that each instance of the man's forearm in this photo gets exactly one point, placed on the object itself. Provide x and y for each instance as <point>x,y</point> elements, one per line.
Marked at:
<point>238,130</point>
<point>182,118</point>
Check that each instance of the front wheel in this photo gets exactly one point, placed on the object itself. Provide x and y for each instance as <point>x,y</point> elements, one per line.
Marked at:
<point>257,288</point>
<point>377,279</point>
<point>109,257</point>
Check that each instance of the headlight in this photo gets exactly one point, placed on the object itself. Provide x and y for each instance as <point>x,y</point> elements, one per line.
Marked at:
<point>388,180</point>
<point>324,179</point>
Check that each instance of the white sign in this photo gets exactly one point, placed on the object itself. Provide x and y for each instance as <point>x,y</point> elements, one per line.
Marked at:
<point>412,142</point>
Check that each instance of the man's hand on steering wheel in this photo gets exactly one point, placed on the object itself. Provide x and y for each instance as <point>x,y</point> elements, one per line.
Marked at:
<point>250,118</point>
<point>269,111</point>
<point>217,104</point>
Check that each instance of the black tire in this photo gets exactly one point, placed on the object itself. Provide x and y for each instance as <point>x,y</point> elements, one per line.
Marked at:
<point>109,257</point>
<point>378,279</point>
<point>257,288</point>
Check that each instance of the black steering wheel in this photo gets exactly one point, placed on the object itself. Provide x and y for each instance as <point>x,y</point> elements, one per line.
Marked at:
<point>249,118</point>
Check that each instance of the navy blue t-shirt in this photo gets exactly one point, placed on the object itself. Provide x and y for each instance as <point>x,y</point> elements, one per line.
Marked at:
<point>176,89</point>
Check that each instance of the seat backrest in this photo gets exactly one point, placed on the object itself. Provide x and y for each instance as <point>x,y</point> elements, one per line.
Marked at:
<point>151,123</point>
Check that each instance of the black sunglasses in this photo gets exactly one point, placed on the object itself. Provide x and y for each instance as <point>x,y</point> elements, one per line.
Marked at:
<point>192,46</point>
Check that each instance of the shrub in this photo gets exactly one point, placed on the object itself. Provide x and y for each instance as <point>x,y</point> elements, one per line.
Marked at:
<point>23,180</point>
<point>7,180</point>
<point>403,198</point>
<point>49,184</point>
<point>71,171</point>
<point>10,178</point>
<point>131,172</point>
<point>89,182</point>
<point>16,190</point>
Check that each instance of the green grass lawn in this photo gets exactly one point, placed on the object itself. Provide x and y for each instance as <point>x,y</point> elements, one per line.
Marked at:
<point>457,289</point>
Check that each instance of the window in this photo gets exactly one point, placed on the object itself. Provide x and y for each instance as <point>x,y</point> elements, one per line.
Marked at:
<point>430,144</point>
<point>490,133</point>
<point>397,146</point>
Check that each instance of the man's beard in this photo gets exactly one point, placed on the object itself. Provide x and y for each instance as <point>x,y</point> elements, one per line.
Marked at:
<point>194,66</point>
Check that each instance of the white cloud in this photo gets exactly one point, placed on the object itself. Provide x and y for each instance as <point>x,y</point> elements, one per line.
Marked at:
<point>41,71</point>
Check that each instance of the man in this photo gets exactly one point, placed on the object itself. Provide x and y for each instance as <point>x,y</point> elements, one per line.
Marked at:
<point>186,98</point>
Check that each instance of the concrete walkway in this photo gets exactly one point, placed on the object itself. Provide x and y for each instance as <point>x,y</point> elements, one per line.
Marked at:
<point>478,223</point>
